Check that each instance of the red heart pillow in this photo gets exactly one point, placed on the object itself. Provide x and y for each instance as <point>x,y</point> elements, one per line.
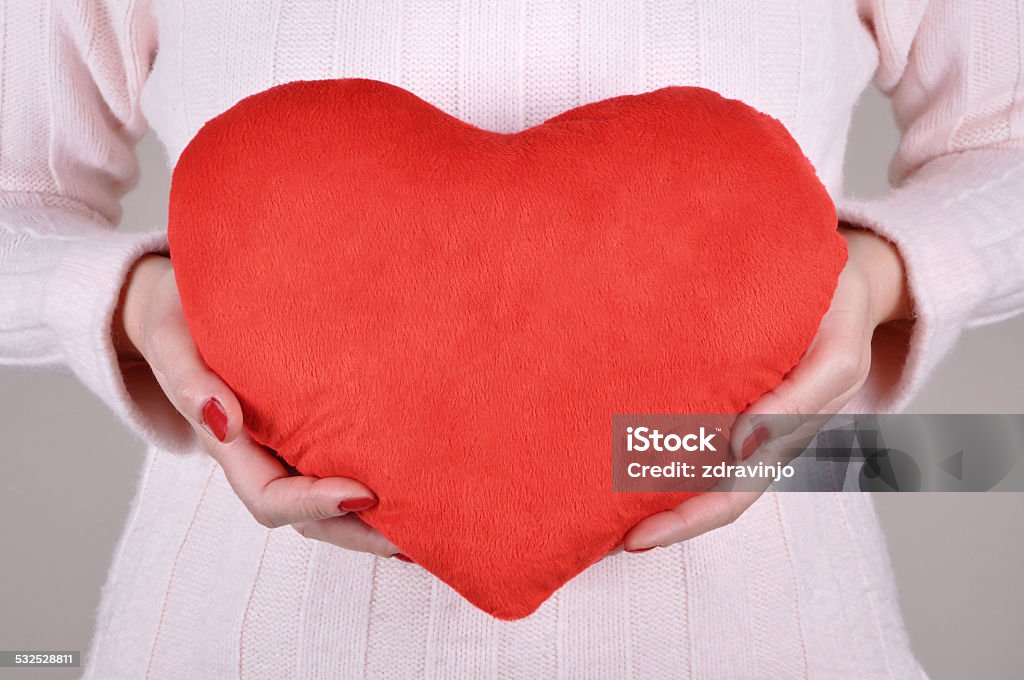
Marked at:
<point>452,315</point>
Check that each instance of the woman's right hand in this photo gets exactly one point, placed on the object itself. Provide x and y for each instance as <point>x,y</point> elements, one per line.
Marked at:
<point>149,325</point>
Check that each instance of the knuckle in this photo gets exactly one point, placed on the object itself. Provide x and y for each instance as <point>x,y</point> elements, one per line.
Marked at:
<point>720,516</point>
<point>706,517</point>
<point>186,384</point>
<point>264,521</point>
<point>850,368</point>
<point>863,368</point>
<point>310,508</point>
<point>733,513</point>
<point>789,405</point>
<point>369,540</point>
<point>318,502</point>
<point>263,517</point>
<point>156,336</point>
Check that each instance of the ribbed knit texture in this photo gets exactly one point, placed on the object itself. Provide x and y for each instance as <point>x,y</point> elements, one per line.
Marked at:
<point>799,586</point>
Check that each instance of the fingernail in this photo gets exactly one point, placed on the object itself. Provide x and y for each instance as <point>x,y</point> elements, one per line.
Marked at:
<point>754,440</point>
<point>215,418</point>
<point>404,558</point>
<point>640,550</point>
<point>357,504</point>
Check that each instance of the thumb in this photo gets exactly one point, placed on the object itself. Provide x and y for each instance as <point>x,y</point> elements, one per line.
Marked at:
<point>194,390</point>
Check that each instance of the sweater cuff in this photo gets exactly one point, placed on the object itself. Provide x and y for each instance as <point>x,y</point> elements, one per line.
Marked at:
<point>79,302</point>
<point>946,281</point>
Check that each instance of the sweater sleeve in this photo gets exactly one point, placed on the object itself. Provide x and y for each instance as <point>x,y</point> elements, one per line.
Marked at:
<point>70,76</point>
<point>954,71</point>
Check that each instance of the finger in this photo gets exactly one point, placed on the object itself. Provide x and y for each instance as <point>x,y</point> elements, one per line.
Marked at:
<point>348,532</point>
<point>696,516</point>
<point>831,371</point>
<point>196,391</point>
<point>276,498</point>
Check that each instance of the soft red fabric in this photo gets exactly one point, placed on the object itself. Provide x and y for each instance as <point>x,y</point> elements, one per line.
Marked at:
<point>452,315</point>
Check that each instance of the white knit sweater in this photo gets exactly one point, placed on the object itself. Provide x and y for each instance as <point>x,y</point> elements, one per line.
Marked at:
<point>800,586</point>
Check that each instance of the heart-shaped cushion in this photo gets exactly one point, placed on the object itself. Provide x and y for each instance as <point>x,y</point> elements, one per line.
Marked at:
<point>452,315</point>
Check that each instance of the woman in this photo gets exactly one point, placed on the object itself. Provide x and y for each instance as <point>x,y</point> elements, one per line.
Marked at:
<point>206,584</point>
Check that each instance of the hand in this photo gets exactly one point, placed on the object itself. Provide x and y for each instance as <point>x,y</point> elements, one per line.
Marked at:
<point>149,325</point>
<point>871,291</point>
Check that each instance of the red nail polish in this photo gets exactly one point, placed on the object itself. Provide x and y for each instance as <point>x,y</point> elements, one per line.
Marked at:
<point>357,504</point>
<point>404,558</point>
<point>754,440</point>
<point>640,550</point>
<point>215,418</point>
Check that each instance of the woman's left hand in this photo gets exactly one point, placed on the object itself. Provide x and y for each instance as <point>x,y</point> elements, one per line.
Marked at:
<point>871,291</point>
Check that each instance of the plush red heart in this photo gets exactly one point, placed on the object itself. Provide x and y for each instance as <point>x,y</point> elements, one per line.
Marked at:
<point>452,315</point>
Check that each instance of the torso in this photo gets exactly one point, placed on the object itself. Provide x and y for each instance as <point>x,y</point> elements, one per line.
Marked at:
<point>509,65</point>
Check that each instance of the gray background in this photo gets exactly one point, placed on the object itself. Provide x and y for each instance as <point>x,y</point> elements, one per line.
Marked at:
<point>68,471</point>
